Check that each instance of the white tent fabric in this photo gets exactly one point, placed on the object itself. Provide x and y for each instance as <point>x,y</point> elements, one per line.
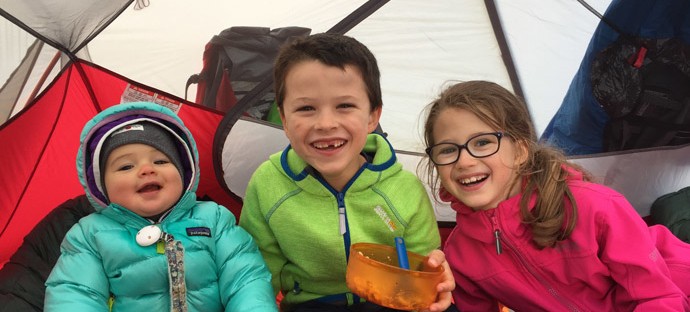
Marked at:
<point>251,142</point>
<point>419,45</point>
<point>533,47</point>
<point>640,174</point>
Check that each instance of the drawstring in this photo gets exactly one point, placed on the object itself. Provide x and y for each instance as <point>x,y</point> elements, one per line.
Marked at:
<point>174,252</point>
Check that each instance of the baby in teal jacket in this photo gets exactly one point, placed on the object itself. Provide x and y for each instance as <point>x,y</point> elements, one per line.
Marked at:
<point>150,245</point>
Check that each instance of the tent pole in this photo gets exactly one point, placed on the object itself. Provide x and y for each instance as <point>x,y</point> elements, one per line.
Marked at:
<point>503,46</point>
<point>43,78</point>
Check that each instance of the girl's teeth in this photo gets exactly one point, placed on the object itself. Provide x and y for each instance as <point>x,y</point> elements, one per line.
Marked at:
<point>472,179</point>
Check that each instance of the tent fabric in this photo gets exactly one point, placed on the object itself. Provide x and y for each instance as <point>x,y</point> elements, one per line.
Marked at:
<point>90,54</point>
<point>664,169</point>
<point>41,143</point>
<point>70,24</point>
<point>22,279</point>
<point>68,27</point>
<point>620,171</point>
<point>12,87</point>
<point>103,52</point>
<point>419,45</point>
<point>578,125</point>
<point>641,175</point>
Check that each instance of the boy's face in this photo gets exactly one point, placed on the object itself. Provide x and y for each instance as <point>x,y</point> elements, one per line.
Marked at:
<point>327,116</point>
<point>142,179</point>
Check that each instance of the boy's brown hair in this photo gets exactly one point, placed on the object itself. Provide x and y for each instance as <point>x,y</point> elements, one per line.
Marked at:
<point>332,50</point>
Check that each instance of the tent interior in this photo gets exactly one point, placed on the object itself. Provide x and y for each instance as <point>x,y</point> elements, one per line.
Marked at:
<point>61,62</point>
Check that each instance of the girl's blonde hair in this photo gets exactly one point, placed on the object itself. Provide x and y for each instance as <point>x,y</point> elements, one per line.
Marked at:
<point>543,172</point>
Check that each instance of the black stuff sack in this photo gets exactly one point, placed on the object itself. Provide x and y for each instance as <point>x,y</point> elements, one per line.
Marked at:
<point>644,87</point>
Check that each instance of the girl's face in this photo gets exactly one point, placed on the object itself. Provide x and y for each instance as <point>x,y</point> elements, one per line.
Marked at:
<point>480,183</point>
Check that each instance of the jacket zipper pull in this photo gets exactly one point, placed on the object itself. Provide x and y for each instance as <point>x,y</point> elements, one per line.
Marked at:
<point>341,212</point>
<point>497,234</point>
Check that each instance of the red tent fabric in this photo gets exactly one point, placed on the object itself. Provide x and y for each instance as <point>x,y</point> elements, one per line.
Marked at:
<point>41,144</point>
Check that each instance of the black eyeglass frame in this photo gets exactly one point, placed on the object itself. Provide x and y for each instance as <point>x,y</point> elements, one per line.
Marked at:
<point>499,135</point>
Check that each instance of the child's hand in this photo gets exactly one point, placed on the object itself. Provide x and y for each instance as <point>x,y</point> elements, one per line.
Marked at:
<point>444,288</point>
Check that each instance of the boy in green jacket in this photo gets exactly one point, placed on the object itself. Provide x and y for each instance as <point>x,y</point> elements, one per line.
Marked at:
<point>335,184</point>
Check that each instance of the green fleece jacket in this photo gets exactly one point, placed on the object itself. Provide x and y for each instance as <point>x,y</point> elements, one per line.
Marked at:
<point>304,227</point>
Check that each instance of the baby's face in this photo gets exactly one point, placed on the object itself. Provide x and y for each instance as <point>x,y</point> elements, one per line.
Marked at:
<point>142,179</point>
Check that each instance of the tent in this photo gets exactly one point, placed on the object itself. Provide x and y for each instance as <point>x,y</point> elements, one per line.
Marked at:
<point>578,125</point>
<point>63,61</point>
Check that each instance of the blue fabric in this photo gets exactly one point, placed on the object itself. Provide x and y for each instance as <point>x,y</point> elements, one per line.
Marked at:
<point>578,125</point>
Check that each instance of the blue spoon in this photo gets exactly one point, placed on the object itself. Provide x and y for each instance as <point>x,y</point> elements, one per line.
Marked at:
<point>402,253</point>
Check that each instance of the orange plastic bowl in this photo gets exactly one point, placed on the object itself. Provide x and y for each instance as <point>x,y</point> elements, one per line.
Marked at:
<point>373,274</point>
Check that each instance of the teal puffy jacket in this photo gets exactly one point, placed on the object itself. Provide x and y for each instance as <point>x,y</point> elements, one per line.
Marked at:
<point>100,260</point>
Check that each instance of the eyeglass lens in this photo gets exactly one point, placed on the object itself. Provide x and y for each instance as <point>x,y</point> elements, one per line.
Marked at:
<point>483,145</point>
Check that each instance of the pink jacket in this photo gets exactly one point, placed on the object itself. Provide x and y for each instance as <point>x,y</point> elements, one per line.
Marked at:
<point>611,262</point>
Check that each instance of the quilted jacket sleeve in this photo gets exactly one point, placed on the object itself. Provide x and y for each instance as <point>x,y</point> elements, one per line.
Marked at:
<point>78,281</point>
<point>244,279</point>
<point>253,220</point>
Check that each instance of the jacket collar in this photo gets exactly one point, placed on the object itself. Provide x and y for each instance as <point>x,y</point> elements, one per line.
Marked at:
<point>129,218</point>
<point>506,217</point>
<point>378,149</point>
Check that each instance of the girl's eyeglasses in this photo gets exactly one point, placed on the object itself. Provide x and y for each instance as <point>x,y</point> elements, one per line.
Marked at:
<point>479,146</point>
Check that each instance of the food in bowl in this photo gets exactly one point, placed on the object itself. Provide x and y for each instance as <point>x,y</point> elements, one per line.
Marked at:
<point>373,274</point>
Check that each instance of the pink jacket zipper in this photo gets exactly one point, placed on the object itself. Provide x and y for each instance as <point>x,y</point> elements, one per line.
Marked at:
<point>491,214</point>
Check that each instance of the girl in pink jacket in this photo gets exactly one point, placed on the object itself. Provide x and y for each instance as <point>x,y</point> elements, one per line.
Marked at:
<point>532,232</point>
